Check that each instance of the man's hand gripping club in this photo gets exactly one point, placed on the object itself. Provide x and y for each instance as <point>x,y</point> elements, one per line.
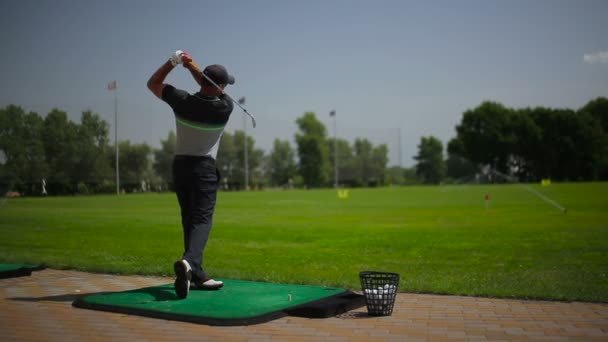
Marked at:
<point>196,71</point>
<point>181,57</point>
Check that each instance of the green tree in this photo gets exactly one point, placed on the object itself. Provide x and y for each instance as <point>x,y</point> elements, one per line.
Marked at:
<point>135,164</point>
<point>24,163</point>
<point>258,178</point>
<point>526,139</point>
<point>254,160</point>
<point>395,176</point>
<point>566,149</point>
<point>231,161</point>
<point>282,165</point>
<point>535,143</point>
<point>92,152</point>
<point>227,161</point>
<point>430,165</point>
<point>410,177</point>
<point>61,143</point>
<point>347,166</point>
<point>163,158</point>
<point>457,166</point>
<point>598,110</point>
<point>378,165</point>
<point>363,155</point>
<point>486,135</point>
<point>371,162</point>
<point>362,165</point>
<point>313,153</point>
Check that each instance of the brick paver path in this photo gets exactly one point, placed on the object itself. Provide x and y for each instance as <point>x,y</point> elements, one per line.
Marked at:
<point>39,308</point>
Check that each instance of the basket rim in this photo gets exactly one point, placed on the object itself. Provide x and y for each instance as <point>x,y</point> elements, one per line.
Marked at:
<point>364,273</point>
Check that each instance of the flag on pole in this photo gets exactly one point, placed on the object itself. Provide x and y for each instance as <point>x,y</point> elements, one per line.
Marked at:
<point>112,85</point>
<point>332,113</point>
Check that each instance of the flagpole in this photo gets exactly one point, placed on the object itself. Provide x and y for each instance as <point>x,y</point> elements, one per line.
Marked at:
<point>246,154</point>
<point>116,137</point>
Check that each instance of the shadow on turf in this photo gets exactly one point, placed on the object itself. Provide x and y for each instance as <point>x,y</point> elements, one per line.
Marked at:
<point>160,294</point>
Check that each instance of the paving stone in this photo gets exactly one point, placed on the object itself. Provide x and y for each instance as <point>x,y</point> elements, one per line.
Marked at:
<point>39,308</point>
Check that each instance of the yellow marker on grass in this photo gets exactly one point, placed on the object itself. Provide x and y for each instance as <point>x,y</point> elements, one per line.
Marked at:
<point>343,193</point>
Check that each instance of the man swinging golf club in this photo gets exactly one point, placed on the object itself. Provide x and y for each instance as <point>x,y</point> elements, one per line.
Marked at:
<point>200,121</point>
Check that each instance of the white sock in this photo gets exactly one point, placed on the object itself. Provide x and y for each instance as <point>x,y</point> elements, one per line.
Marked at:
<point>188,268</point>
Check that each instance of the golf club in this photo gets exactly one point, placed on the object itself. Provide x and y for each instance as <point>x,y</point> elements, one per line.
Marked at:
<point>198,68</point>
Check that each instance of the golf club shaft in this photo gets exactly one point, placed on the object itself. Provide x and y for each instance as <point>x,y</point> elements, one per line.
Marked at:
<point>198,68</point>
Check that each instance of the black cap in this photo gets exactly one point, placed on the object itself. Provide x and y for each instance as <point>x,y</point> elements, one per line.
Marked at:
<point>218,74</point>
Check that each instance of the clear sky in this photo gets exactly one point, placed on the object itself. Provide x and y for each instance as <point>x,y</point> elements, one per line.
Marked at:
<point>384,66</point>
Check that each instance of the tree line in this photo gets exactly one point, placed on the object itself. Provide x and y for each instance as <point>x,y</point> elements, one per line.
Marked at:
<point>308,164</point>
<point>528,144</point>
<point>55,155</point>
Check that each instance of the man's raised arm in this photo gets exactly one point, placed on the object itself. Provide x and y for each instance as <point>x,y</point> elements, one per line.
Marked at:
<point>155,83</point>
<point>189,64</point>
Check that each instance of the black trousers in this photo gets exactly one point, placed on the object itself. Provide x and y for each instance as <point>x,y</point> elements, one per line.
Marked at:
<point>196,182</point>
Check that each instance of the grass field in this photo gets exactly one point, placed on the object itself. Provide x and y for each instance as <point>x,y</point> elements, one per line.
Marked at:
<point>439,239</point>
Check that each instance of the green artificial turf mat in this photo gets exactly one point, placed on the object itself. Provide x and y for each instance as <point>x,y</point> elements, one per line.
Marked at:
<point>237,303</point>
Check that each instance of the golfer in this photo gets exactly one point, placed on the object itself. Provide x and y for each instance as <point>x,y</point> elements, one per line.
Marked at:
<point>200,121</point>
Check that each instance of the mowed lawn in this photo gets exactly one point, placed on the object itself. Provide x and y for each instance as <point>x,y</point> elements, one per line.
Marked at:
<point>440,239</point>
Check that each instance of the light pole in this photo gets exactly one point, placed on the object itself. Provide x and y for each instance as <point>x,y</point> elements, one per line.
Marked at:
<point>246,159</point>
<point>399,147</point>
<point>112,86</point>
<point>336,183</point>
<point>116,142</point>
